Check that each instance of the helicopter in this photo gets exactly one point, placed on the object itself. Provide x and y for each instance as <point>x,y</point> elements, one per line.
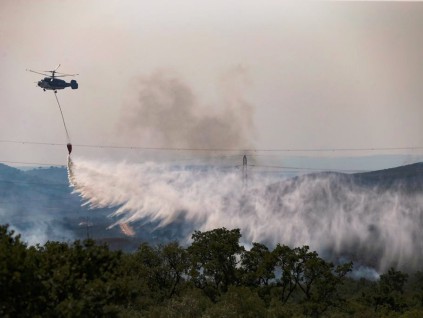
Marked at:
<point>51,82</point>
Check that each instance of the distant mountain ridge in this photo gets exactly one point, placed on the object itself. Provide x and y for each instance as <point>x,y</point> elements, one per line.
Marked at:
<point>407,178</point>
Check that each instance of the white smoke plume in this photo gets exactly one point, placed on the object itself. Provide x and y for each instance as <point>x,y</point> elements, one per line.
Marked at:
<point>380,228</point>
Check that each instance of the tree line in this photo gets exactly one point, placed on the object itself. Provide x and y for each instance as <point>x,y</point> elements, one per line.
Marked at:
<point>215,276</point>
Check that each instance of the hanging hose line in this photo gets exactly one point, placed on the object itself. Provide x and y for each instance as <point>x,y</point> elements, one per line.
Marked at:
<point>63,118</point>
<point>69,145</point>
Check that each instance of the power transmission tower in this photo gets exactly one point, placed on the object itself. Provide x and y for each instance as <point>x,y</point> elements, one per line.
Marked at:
<point>244,171</point>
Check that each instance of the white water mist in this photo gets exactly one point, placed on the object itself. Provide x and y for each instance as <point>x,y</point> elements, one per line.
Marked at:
<point>331,215</point>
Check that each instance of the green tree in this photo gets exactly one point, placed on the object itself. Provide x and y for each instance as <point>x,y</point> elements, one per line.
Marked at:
<point>79,279</point>
<point>153,274</point>
<point>286,260</point>
<point>257,266</point>
<point>238,301</point>
<point>192,303</point>
<point>389,291</point>
<point>174,265</point>
<point>317,279</point>
<point>416,288</point>
<point>213,256</point>
<point>20,287</point>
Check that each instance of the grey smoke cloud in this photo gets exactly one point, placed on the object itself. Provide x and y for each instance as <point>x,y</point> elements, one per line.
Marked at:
<point>167,112</point>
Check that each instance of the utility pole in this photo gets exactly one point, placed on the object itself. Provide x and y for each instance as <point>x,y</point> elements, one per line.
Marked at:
<point>87,224</point>
<point>88,232</point>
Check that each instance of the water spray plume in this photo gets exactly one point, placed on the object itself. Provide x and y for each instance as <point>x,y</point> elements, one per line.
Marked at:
<point>381,228</point>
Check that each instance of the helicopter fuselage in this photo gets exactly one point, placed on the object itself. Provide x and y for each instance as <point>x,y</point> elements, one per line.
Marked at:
<point>49,83</point>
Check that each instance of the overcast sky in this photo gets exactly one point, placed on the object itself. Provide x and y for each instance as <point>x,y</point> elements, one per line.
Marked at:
<point>314,74</point>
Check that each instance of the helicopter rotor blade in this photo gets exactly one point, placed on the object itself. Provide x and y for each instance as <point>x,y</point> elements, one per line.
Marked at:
<point>37,72</point>
<point>53,74</point>
<point>63,75</point>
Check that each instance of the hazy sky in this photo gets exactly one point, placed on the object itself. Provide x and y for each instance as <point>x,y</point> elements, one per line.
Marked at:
<point>314,74</point>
